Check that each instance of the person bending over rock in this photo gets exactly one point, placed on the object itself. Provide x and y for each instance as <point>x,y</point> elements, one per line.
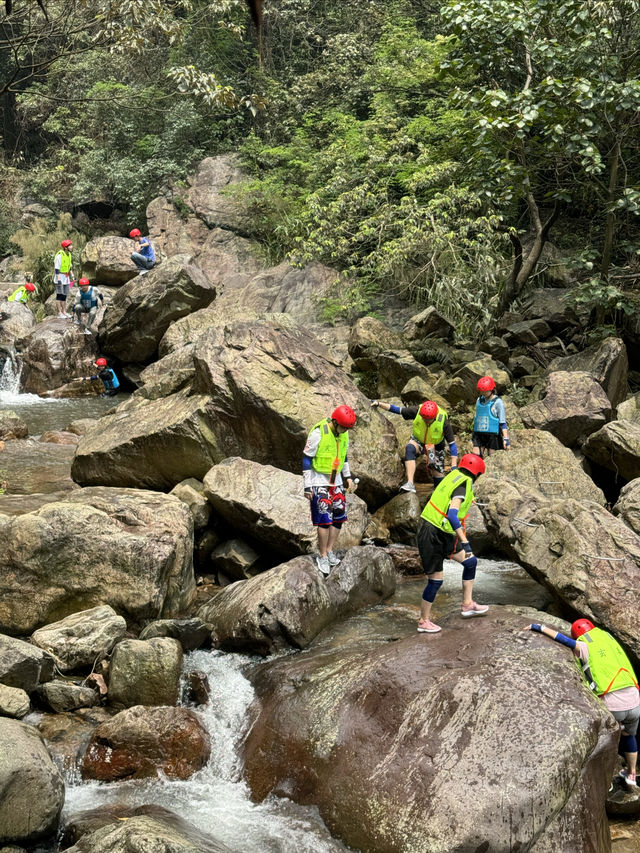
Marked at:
<point>442,535</point>
<point>86,305</point>
<point>490,429</point>
<point>324,464</point>
<point>107,376</point>
<point>23,293</point>
<point>143,255</point>
<point>431,430</point>
<point>610,675</point>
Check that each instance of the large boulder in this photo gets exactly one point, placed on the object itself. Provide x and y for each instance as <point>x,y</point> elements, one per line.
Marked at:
<point>428,323</point>
<point>606,362</point>
<point>22,665</point>
<point>107,260</point>
<point>388,738</point>
<point>130,549</point>
<point>268,505</point>
<point>143,309</point>
<point>139,742</point>
<point>16,321</point>
<point>253,390</point>
<point>395,368</point>
<point>146,672</point>
<point>62,696</point>
<point>469,374</point>
<point>81,638</point>
<point>553,305</point>
<point>401,516</point>
<point>630,409</point>
<point>191,633</point>
<point>12,426</point>
<point>209,196</point>
<point>289,605</point>
<point>367,339</point>
<point>14,702</point>
<point>617,447</point>
<point>628,505</point>
<point>572,406</point>
<point>589,558</point>
<point>31,787</point>
<point>34,472</point>
<point>537,460</point>
<point>54,353</point>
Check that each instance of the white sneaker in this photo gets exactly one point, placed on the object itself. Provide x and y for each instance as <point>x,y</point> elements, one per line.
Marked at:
<point>407,487</point>
<point>333,559</point>
<point>323,565</point>
<point>144,272</point>
<point>87,331</point>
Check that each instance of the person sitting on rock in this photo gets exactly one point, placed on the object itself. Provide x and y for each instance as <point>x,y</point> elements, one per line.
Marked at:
<point>324,464</point>
<point>107,376</point>
<point>610,675</point>
<point>143,255</point>
<point>442,535</point>
<point>490,430</point>
<point>23,293</point>
<point>431,430</point>
<point>86,304</point>
<point>63,277</point>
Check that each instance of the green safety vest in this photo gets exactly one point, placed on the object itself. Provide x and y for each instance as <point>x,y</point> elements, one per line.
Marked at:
<point>434,434</point>
<point>20,294</point>
<point>435,512</point>
<point>609,665</point>
<point>65,261</point>
<point>332,450</point>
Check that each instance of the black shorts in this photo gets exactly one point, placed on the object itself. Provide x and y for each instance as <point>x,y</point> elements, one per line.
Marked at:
<point>488,440</point>
<point>435,546</point>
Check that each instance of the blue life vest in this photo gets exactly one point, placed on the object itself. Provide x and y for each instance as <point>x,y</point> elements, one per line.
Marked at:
<point>109,379</point>
<point>146,250</point>
<point>88,298</point>
<point>485,420</point>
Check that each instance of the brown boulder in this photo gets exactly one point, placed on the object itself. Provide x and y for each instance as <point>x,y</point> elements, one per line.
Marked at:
<point>428,323</point>
<point>12,426</point>
<point>54,353</point>
<point>139,742</point>
<point>107,260</point>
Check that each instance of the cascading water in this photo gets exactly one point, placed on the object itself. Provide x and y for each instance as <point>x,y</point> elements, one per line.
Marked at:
<point>216,800</point>
<point>10,378</point>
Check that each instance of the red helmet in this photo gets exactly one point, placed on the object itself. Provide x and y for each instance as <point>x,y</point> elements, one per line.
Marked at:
<point>486,384</point>
<point>472,463</point>
<point>429,410</point>
<point>580,627</point>
<point>135,232</point>
<point>30,287</point>
<point>344,416</point>
<point>66,243</point>
<point>84,282</point>
<point>101,362</point>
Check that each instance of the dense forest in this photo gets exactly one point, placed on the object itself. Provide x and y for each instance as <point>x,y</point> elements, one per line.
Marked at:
<point>454,153</point>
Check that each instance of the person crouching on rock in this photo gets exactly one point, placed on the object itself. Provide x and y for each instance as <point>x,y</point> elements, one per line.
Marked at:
<point>143,255</point>
<point>431,429</point>
<point>23,293</point>
<point>324,464</point>
<point>490,430</point>
<point>610,675</point>
<point>107,376</point>
<point>86,305</point>
<point>442,535</point>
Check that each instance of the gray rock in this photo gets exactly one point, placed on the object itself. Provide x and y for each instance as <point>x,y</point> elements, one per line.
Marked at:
<point>236,559</point>
<point>53,354</point>
<point>552,305</point>
<point>12,426</point>
<point>17,322</point>
<point>80,639</point>
<point>145,672</point>
<point>367,339</point>
<point>23,665</point>
<point>428,323</point>
<point>630,409</point>
<point>61,696</point>
<point>14,702</point>
<point>395,369</point>
<point>270,503</point>
<point>573,405</point>
<point>617,447</point>
<point>472,371</point>
<point>286,607</point>
<point>191,633</point>
<point>528,331</point>
<point>130,549</point>
<point>107,260</point>
<point>627,506</point>
<point>606,362</point>
<point>401,516</point>
<point>191,492</point>
<point>30,783</point>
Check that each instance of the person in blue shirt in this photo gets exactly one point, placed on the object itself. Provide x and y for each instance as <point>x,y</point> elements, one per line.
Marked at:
<point>143,256</point>
<point>490,429</point>
<point>107,376</point>
<point>86,305</point>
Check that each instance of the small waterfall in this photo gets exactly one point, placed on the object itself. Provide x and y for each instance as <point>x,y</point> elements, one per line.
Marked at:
<point>10,378</point>
<point>216,800</point>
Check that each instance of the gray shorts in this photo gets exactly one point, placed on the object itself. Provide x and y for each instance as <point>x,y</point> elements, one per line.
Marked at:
<point>62,290</point>
<point>628,719</point>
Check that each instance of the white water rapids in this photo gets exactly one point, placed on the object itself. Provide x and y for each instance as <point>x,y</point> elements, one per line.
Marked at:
<point>216,799</point>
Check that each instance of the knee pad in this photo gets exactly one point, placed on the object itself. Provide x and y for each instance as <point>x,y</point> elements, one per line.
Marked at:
<point>410,452</point>
<point>431,590</point>
<point>628,743</point>
<point>469,568</point>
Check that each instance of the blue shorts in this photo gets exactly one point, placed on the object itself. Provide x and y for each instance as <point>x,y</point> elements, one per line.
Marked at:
<point>328,506</point>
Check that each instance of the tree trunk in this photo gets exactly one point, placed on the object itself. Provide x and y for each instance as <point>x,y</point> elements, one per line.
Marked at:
<point>524,265</point>
<point>610,227</point>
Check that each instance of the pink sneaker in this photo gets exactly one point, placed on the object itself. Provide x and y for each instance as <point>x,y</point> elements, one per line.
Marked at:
<point>426,626</point>
<point>629,778</point>
<point>473,609</point>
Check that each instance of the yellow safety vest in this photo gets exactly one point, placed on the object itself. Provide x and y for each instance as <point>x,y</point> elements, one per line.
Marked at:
<point>65,261</point>
<point>434,434</point>
<point>435,512</point>
<point>609,665</point>
<point>332,450</point>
